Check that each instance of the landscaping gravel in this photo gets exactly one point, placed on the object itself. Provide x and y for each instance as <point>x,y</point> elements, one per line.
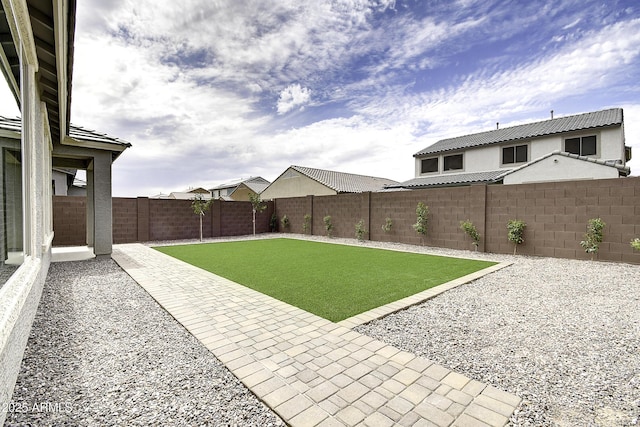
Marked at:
<point>562,334</point>
<point>103,352</point>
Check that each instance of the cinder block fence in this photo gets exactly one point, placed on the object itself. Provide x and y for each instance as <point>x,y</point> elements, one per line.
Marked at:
<point>556,215</point>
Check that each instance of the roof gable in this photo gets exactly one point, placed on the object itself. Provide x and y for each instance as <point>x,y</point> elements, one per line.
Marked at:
<point>251,182</point>
<point>591,120</point>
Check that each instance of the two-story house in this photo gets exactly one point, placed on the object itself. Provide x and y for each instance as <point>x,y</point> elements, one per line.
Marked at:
<point>240,189</point>
<point>583,146</point>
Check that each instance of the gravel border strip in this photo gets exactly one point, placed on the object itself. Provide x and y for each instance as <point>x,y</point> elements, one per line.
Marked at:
<point>102,352</point>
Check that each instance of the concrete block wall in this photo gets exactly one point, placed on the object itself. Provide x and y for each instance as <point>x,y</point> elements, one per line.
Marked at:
<point>142,219</point>
<point>295,209</point>
<point>345,211</point>
<point>69,220</point>
<point>175,220</point>
<point>447,207</point>
<point>557,215</point>
<point>125,220</point>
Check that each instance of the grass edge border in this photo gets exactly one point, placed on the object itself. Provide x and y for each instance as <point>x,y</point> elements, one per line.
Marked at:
<point>415,299</point>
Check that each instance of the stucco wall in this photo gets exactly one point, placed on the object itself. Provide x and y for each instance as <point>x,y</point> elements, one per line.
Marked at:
<point>560,168</point>
<point>294,184</point>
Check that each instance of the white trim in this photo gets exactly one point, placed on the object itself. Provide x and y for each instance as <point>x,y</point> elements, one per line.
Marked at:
<point>93,144</point>
<point>19,21</point>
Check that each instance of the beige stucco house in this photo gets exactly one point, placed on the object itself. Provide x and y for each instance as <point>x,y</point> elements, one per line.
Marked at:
<point>299,181</point>
<point>582,146</point>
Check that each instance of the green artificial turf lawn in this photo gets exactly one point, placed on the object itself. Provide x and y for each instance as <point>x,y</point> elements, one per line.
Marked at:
<point>330,280</point>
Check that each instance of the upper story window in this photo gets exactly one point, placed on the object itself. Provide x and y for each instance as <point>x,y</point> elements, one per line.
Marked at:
<point>582,146</point>
<point>514,154</point>
<point>429,165</point>
<point>453,162</point>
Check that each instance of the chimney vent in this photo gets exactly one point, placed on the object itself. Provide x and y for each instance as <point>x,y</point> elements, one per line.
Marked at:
<point>551,114</point>
<point>497,125</point>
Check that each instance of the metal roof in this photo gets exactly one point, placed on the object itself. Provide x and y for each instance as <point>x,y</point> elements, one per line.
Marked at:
<point>342,182</point>
<point>577,122</point>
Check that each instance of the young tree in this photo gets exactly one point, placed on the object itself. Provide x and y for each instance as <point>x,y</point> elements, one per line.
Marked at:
<point>200,206</point>
<point>257,205</point>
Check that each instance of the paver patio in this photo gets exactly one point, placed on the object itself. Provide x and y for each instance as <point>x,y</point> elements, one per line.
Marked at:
<point>309,370</point>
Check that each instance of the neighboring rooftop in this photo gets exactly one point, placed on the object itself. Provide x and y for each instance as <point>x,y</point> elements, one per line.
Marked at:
<point>255,183</point>
<point>453,179</point>
<point>576,122</point>
<point>345,182</point>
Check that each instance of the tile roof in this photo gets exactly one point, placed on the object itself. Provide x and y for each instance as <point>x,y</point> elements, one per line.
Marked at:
<point>453,179</point>
<point>251,182</point>
<point>345,182</point>
<point>594,119</point>
<point>76,132</point>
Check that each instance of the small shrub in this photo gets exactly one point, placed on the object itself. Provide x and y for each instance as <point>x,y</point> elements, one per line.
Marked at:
<point>422,220</point>
<point>360,230</point>
<point>472,231</point>
<point>200,206</point>
<point>285,222</point>
<point>516,233</point>
<point>328,225</point>
<point>593,236</point>
<point>306,225</point>
<point>386,227</point>
<point>635,243</point>
<point>273,223</point>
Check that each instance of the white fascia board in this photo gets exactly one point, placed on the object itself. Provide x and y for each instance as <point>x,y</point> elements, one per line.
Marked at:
<point>93,144</point>
<point>19,21</point>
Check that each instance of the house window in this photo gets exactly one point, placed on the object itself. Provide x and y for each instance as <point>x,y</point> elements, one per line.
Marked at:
<point>582,146</point>
<point>11,234</point>
<point>453,162</point>
<point>515,154</point>
<point>429,165</point>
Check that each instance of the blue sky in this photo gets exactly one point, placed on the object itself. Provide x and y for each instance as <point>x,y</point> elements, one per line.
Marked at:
<point>212,91</point>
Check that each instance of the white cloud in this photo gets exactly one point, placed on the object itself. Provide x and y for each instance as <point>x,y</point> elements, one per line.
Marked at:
<point>293,96</point>
<point>8,106</point>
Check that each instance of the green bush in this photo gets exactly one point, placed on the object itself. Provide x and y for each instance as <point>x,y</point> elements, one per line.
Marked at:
<point>635,243</point>
<point>327,224</point>
<point>386,227</point>
<point>515,233</point>
<point>360,230</point>
<point>593,237</point>
<point>472,231</point>
<point>422,220</point>
<point>285,222</point>
<point>273,222</point>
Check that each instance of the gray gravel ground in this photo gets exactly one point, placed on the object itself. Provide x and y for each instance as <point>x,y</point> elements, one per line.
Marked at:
<point>562,334</point>
<point>102,352</point>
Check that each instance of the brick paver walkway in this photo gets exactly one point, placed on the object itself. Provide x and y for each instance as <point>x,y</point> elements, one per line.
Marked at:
<point>309,370</point>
